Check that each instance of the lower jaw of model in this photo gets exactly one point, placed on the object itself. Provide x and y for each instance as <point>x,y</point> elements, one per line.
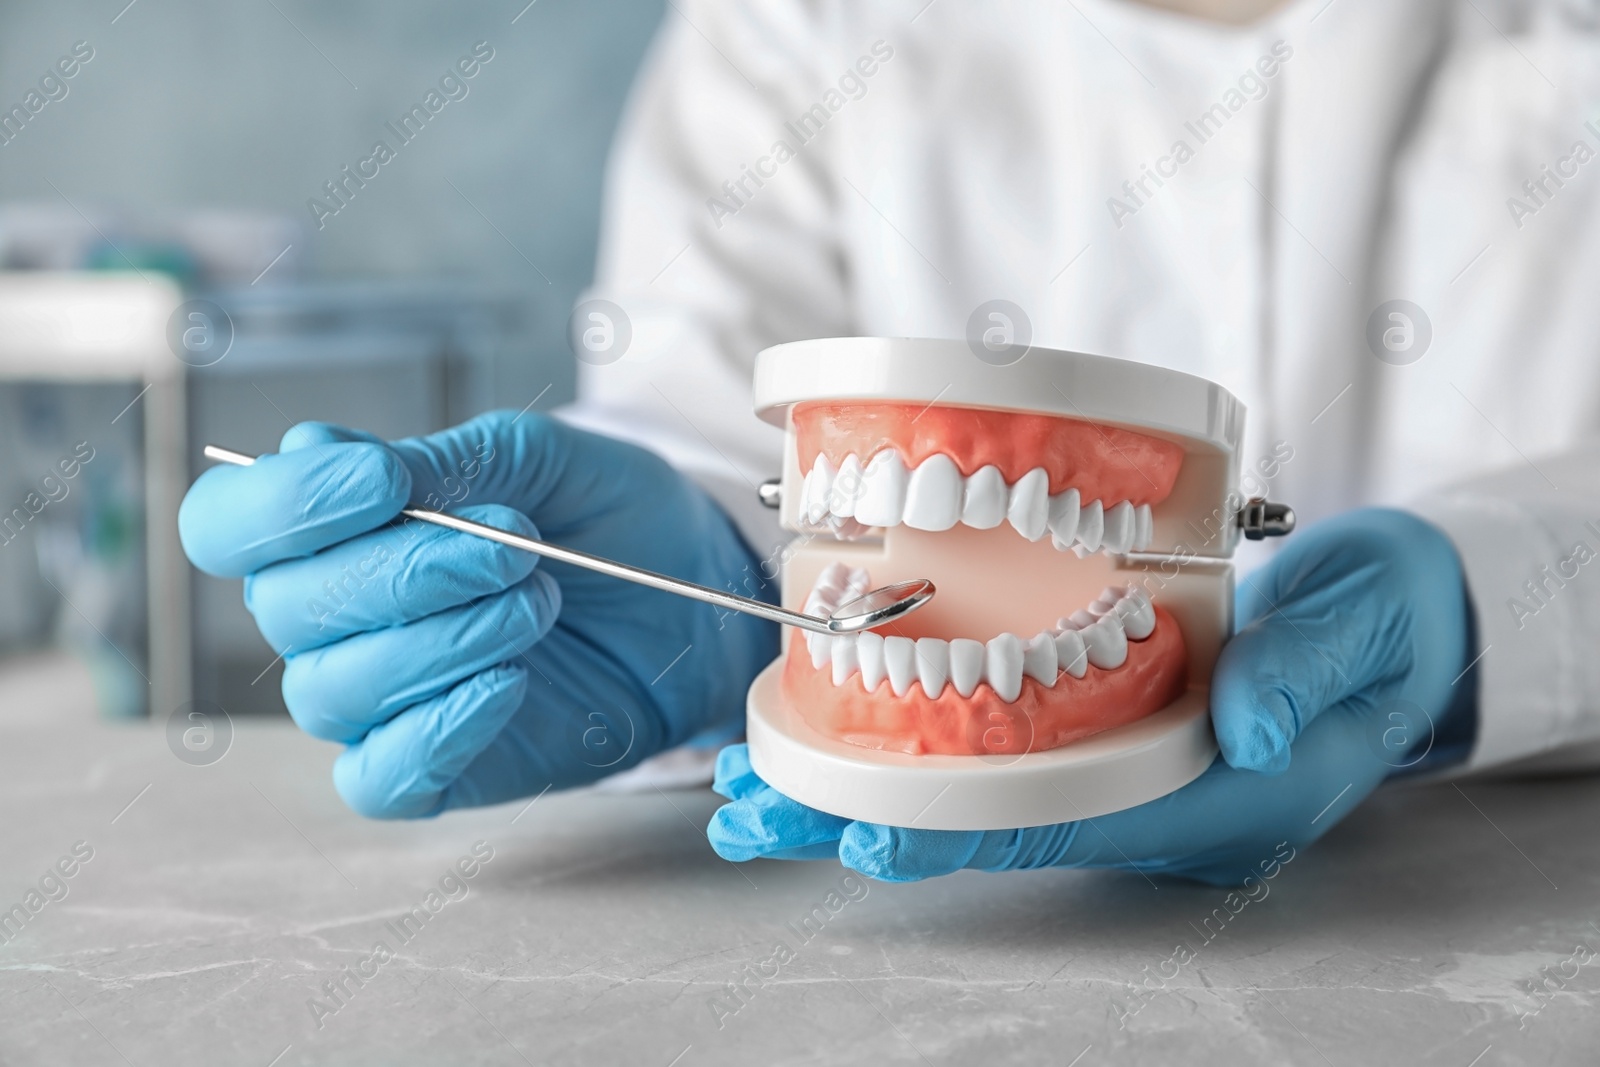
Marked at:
<point>927,684</point>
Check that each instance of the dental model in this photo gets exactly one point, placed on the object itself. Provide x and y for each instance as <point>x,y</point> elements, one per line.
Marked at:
<point>1076,514</point>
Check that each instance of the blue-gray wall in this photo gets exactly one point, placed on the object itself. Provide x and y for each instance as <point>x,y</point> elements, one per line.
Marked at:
<point>249,103</point>
<point>252,105</point>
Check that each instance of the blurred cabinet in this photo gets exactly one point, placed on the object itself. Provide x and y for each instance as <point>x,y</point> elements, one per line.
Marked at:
<point>92,468</point>
<point>392,358</point>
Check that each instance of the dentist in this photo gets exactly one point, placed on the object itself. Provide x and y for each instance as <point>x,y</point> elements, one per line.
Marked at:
<point>1378,225</point>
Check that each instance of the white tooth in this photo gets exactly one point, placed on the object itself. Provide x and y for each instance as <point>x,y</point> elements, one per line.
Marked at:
<point>900,659</point>
<point>845,660</point>
<point>1081,619</point>
<point>1070,652</point>
<point>855,583</point>
<point>966,665</point>
<point>1039,658</point>
<point>1064,508</point>
<point>1029,507</point>
<point>1119,527</point>
<point>820,602</point>
<point>820,646</point>
<point>1091,524</point>
<point>1134,626</point>
<point>1081,552</point>
<point>852,586</point>
<point>1137,614</point>
<point>983,498</point>
<point>819,484</point>
<point>1002,666</point>
<point>933,499</point>
<point>869,655</point>
<point>846,529</point>
<point>933,665</point>
<point>1106,642</point>
<point>1145,528</point>
<point>846,488</point>
<point>834,574</point>
<point>824,595</point>
<point>883,490</point>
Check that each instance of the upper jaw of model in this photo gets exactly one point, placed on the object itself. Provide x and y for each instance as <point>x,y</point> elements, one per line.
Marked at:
<point>921,687</point>
<point>1089,487</point>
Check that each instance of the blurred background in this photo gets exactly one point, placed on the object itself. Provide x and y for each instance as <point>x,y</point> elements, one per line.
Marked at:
<point>185,258</point>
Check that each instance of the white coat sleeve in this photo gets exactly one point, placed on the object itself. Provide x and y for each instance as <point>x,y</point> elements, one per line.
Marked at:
<point>716,243</point>
<point>1529,539</point>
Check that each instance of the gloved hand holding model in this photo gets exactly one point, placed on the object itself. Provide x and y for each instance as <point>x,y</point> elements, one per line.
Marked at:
<point>1349,664</point>
<point>456,670</point>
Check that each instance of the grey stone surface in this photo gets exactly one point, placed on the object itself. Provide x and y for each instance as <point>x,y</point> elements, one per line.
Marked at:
<point>220,897</point>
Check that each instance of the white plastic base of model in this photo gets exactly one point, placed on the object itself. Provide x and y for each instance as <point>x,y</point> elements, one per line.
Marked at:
<point>1108,772</point>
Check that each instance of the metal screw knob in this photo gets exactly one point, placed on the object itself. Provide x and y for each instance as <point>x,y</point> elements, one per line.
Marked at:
<point>771,492</point>
<point>1260,518</point>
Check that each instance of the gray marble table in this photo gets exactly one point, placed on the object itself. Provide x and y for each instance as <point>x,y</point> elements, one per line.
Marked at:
<point>219,899</point>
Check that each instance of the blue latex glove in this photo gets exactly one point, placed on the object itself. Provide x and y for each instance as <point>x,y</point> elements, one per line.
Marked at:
<point>1353,642</point>
<point>458,671</point>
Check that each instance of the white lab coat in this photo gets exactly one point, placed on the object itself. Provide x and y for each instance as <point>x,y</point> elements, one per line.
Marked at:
<point>986,157</point>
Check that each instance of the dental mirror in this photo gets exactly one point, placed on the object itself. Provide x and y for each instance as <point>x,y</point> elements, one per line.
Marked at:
<point>872,609</point>
<point>879,606</point>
